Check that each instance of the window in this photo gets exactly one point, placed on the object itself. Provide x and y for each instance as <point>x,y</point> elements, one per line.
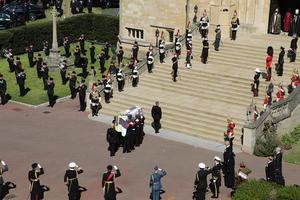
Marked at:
<point>135,33</point>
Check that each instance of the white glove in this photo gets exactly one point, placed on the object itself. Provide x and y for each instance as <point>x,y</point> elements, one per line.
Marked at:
<point>3,163</point>
<point>159,169</point>
<point>39,166</point>
<point>115,167</point>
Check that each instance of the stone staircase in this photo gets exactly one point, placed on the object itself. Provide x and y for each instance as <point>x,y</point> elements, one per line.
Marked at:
<point>205,96</point>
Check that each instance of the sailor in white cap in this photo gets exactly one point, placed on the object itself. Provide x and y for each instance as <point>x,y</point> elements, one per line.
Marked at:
<point>135,77</point>
<point>71,180</point>
<point>3,168</point>
<point>215,181</point>
<point>201,181</point>
<point>256,82</point>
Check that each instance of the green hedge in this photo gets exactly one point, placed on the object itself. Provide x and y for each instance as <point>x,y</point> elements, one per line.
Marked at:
<point>263,190</point>
<point>95,27</point>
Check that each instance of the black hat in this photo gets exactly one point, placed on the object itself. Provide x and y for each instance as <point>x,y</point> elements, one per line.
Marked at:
<point>92,67</point>
<point>73,72</point>
<point>82,81</point>
<point>34,165</point>
<point>282,48</point>
<point>39,54</point>
<point>109,167</point>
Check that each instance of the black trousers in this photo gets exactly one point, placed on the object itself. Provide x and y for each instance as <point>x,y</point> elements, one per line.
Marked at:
<point>150,66</point>
<point>233,34</point>
<point>203,33</point>
<point>3,99</point>
<point>82,103</point>
<point>45,82</point>
<point>120,85</point>
<point>22,89</point>
<point>94,110</point>
<point>174,75</point>
<point>112,148</point>
<point>51,100</point>
<point>120,59</point>
<point>201,194</point>
<point>156,125</point>
<point>107,96</point>
<point>102,67</point>
<point>126,144</point>
<point>31,63</point>
<point>63,77</point>
<point>73,92</point>
<point>67,51</point>
<point>161,57</point>
<point>135,82</point>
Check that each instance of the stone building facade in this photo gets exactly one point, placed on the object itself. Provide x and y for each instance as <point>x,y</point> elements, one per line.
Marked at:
<point>141,20</point>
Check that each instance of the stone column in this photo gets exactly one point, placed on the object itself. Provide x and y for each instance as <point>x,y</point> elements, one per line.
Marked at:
<point>249,139</point>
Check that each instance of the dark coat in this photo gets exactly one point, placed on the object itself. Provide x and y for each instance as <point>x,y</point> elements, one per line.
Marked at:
<point>71,180</point>
<point>156,113</point>
<point>108,184</point>
<point>228,167</point>
<point>269,170</point>
<point>201,179</point>
<point>50,88</point>
<point>111,135</point>
<point>33,177</point>
<point>3,86</point>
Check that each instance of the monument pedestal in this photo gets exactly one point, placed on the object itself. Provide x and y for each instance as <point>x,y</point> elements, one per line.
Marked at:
<point>54,59</point>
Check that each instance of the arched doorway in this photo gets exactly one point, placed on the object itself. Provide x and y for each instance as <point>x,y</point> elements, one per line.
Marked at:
<point>283,6</point>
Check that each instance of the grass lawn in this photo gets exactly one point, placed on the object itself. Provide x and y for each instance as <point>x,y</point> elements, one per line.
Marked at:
<point>37,95</point>
<point>293,155</point>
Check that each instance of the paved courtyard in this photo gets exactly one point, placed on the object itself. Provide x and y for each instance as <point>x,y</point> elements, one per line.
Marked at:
<point>55,136</point>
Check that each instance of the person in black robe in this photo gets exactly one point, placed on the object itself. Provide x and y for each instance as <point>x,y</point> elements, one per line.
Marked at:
<point>35,186</point>
<point>200,183</point>
<point>108,182</point>
<point>295,25</point>
<point>50,92</point>
<point>111,138</point>
<point>269,170</point>
<point>72,84</point>
<point>293,50</point>
<point>3,87</point>
<point>228,166</point>
<point>156,115</point>
<point>92,53</point>
<point>174,67</point>
<point>215,181</point>
<point>82,94</point>
<point>71,180</point>
<point>279,68</point>
<point>279,179</point>
<point>204,54</point>
<point>39,65</point>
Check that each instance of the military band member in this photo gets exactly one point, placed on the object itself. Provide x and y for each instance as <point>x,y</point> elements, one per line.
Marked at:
<point>108,182</point>
<point>39,65</point>
<point>30,54</point>
<point>82,94</point>
<point>92,53</point>
<point>46,48</point>
<point>135,77</point>
<point>216,177</point>
<point>50,92</point>
<point>204,24</point>
<point>155,182</point>
<point>205,48</point>
<point>111,138</point>
<point>178,48</point>
<point>3,168</point>
<point>67,46</point>
<point>218,38</point>
<point>72,84</point>
<point>19,66</point>
<point>95,99</point>
<point>3,88</point>
<point>188,58</point>
<point>200,183</point>
<point>135,51</point>
<point>102,59</point>
<point>106,50</point>
<point>34,179</point>
<point>161,51</point>
<point>120,55</point>
<point>84,64</point>
<point>150,61</point>
<point>235,24</point>
<point>107,91</point>
<point>174,67</point>
<point>45,74</point>
<point>10,61</point>
<point>63,72</point>
<point>21,77</point>
<point>120,80</point>
<point>82,43</point>
<point>228,166</point>
<point>71,180</point>
<point>77,55</point>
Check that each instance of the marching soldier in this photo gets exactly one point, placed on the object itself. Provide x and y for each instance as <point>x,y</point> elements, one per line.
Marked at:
<point>71,180</point>
<point>46,48</point>
<point>229,163</point>
<point>30,54</point>
<point>45,74</point>
<point>205,48</point>
<point>178,48</point>
<point>120,56</point>
<point>218,38</point>
<point>161,51</point>
<point>150,61</point>
<point>82,43</point>
<point>3,87</point>
<point>33,176</point>
<point>77,56</point>
<point>67,46</point>
<point>155,182</point>
<point>72,84</point>
<point>95,99</point>
<point>19,66</point>
<point>135,51</point>
<point>111,138</point>
<point>3,168</point>
<point>200,184</point>
<point>92,53</point>
<point>107,91</point>
<point>82,94</point>
<point>102,59</point>
<point>216,177</point>
<point>63,71</point>
<point>235,24</point>
<point>84,64</point>
<point>135,77</point>
<point>204,24</point>
<point>121,80</point>
<point>21,77</point>
<point>108,182</point>
<point>39,65</point>
<point>50,92</point>
<point>174,67</point>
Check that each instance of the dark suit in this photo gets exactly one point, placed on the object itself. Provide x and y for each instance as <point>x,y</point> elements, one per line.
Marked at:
<point>111,138</point>
<point>156,115</point>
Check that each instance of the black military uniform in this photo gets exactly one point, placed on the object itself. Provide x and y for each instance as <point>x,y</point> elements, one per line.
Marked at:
<point>228,167</point>
<point>156,115</point>
<point>120,55</point>
<point>95,102</point>
<point>35,186</point>
<point>269,170</point>
<point>77,56</point>
<point>174,67</point>
<point>235,23</point>
<point>279,67</point>
<point>67,46</point>
<point>3,168</point>
<point>294,47</point>
<point>215,181</point>
<point>72,84</point>
<point>205,48</point>
<point>102,62</point>
<point>107,91</point>
<point>82,94</point>
<point>10,61</point>
<point>108,182</point>
<point>63,72</point>
<point>71,180</point>
<point>129,137</point>
<point>45,75</point>
<point>161,51</point>
<point>30,54</point>
<point>84,65</point>
<point>111,138</point>
<point>46,48</point>
<point>135,77</point>
<point>92,53</point>
<point>279,179</point>
<point>150,61</point>
<point>204,24</point>
<point>178,48</point>
<point>3,87</point>
<point>201,181</point>
<point>39,65</point>
<point>21,77</point>
<point>141,133</point>
<point>106,50</point>
<point>120,80</point>
<point>82,43</point>
<point>256,83</point>
<point>50,92</point>
<point>135,51</point>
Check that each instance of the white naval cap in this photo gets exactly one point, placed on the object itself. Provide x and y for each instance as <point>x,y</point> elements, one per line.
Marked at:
<point>217,158</point>
<point>257,70</point>
<point>201,165</point>
<point>72,165</point>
